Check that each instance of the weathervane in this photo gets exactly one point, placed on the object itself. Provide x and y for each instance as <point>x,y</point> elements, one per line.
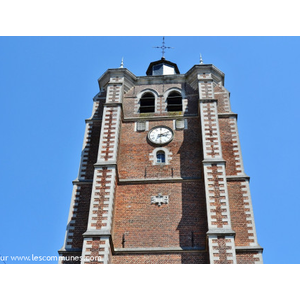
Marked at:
<point>163,47</point>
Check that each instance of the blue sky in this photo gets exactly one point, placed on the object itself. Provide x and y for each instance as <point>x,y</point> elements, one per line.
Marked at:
<point>46,89</point>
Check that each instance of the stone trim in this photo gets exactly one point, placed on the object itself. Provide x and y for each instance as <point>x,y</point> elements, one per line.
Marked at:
<point>239,166</point>
<point>218,214</point>
<point>168,156</point>
<point>227,115</point>
<point>220,232</point>
<point>95,111</point>
<point>239,249</point>
<point>210,131</point>
<point>95,244</point>
<point>106,164</point>
<point>114,92</point>
<point>221,249</point>
<point>211,161</point>
<point>237,178</point>
<point>205,86</point>
<point>224,99</point>
<point>208,100</point>
<point>160,199</point>
<point>69,251</point>
<point>220,235</point>
<point>156,180</point>
<point>85,150</point>
<point>117,75</point>
<point>177,127</point>
<point>120,251</point>
<point>248,208</point>
<point>112,104</point>
<point>93,120</point>
<point>159,118</point>
<point>184,100</point>
<point>71,218</point>
<point>82,182</point>
<point>109,134</point>
<point>101,207</point>
<point>146,128</point>
<point>139,96</point>
<point>97,233</point>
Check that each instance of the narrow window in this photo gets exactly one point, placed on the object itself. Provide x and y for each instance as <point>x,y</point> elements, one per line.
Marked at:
<point>174,102</point>
<point>147,103</point>
<point>160,157</point>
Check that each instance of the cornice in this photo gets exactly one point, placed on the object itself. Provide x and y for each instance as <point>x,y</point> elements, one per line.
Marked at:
<point>157,79</point>
<point>127,78</point>
<point>217,75</point>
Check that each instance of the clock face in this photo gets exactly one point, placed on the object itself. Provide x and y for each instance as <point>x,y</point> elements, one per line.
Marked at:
<point>160,135</point>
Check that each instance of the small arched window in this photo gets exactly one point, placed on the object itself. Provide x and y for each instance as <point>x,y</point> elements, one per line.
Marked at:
<point>160,157</point>
<point>147,103</point>
<point>174,101</point>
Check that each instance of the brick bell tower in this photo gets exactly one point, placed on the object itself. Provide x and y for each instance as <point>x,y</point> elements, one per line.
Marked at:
<point>161,177</point>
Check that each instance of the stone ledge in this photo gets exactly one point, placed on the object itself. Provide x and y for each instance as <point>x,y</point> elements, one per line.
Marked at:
<point>96,120</point>
<point>238,178</point>
<point>248,248</point>
<point>79,182</point>
<point>112,104</point>
<point>69,251</point>
<point>227,115</point>
<point>97,233</point>
<point>159,117</point>
<point>157,180</point>
<point>158,250</point>
<point>105,164</point>
<point>220,231</point>
<point>208,100</point>
<point>214,161</point>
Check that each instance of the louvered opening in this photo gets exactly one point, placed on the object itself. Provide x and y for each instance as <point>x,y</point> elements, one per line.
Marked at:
<point>147,103</point>
<point>174,102</point>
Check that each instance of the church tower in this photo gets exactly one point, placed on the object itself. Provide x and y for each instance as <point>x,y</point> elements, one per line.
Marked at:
<point>161,177</point>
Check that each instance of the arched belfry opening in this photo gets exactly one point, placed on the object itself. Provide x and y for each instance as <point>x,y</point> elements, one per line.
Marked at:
<point>147,103</point>
<point>174,101</point>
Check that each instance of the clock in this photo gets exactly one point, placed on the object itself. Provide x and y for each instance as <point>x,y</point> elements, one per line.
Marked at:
<point>160,135</point>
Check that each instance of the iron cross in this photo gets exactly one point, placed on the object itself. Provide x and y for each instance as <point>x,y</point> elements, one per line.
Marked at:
<point>163,47</point>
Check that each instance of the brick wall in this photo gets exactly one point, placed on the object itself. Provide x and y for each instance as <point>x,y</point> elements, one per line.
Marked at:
<point>180,223</point>
<point>248,257</point>
<point>134,152</point>
<point>178,258</point>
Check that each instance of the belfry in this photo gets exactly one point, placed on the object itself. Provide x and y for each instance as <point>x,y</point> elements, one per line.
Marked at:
<point>161,178</point>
